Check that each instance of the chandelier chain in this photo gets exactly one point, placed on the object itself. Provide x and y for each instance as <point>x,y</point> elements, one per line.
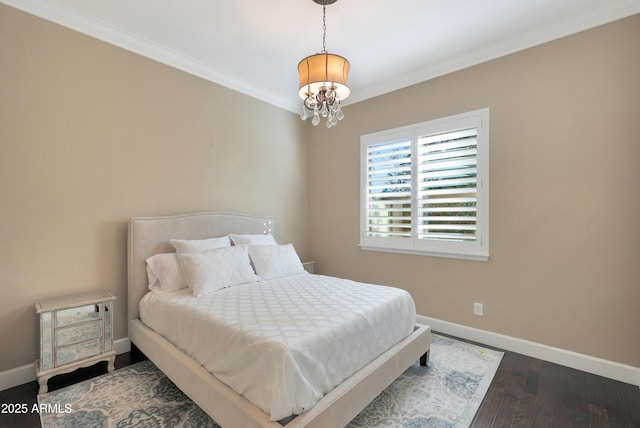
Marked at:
<point>324,29</point>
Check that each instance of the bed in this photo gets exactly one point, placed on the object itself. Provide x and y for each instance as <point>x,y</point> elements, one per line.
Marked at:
<point>149,236</point>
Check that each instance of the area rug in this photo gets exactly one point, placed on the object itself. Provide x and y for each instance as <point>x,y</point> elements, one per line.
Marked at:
<point>447,393</point>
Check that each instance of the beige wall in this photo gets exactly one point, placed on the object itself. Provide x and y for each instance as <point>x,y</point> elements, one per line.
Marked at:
<point>91,135</point>
<point>565,201</point>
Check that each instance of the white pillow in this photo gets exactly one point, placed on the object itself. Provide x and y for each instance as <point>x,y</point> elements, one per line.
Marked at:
<point>215,269</point>
<point>199,245</point>
<point>258,239</point>
<point>164,273</point>
<point>274,261</point>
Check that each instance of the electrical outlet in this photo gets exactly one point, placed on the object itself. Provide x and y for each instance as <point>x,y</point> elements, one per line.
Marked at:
<point>477,309</point>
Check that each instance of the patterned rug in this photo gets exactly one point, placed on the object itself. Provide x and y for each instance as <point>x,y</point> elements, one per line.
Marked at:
<point>446,394</point>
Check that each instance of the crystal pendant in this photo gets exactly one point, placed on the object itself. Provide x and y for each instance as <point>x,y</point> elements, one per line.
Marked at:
<point>316,118</point>
<point>324,111</point>
<point>304,114</point>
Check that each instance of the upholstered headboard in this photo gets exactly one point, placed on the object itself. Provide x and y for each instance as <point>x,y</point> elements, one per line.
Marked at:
<point>150,235</point>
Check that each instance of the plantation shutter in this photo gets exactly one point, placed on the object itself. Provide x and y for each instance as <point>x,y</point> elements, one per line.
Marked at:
<point>447,186</point>
<point>425,188</point>
<point>388,189</point>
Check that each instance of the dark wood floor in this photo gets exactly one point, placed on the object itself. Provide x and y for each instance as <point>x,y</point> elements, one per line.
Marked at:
<point>526,392</point>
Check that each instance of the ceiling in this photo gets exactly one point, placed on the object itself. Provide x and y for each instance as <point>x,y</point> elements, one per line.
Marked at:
<point>254,46</point>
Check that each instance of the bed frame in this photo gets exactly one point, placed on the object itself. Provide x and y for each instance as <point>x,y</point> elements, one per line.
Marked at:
<point>151,235</point>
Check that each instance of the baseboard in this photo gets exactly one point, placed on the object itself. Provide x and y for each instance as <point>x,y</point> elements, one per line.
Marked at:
<point>27,373</point>
<point>122,345</point>
<point>589,364</point>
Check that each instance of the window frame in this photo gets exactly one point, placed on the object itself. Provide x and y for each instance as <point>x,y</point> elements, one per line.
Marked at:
<point>472,250</point>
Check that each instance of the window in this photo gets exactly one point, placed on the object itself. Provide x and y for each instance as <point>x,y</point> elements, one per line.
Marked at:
<point>425,188</point>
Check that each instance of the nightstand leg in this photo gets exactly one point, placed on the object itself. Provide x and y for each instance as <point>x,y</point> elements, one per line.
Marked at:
<point>44,388</point>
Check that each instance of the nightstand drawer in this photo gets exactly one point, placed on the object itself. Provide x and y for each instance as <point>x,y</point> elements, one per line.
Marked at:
<point>76,315</point>
<point>78,333</point>
<point>79,351</point>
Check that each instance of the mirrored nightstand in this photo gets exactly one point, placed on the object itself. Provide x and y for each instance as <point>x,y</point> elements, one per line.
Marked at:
<point>75,331</point>
<point>309,266</point>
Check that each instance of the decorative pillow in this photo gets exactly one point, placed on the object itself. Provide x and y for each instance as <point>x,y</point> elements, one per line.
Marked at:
<point>200,245</point>
<point>274,261</point>
<point>164,273</point>
<point>215,269</point>
<point>258,239</point>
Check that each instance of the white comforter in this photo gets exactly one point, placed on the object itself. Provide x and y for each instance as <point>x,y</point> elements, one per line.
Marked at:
<point>286,342</point>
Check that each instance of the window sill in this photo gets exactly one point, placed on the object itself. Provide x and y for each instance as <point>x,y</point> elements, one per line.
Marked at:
<point>463,256</point>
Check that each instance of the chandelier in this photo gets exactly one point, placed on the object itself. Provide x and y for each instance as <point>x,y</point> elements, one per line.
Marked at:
<point>323,81</point>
